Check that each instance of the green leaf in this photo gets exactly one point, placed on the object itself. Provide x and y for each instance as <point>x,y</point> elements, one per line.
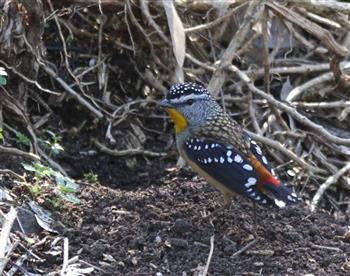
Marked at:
<point>56,148</point>
<point>22,139</point>
<point>51,133</point>
<point>70,198</point>
<point>41,171</point>
<point>3,80</point>
<point>28,167</point>
<point>65,189</point>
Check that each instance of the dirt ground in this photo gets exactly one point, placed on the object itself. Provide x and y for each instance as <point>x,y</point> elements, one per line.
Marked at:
<point>158,229</point>
<point>144,216</point>
<point>150,222</point>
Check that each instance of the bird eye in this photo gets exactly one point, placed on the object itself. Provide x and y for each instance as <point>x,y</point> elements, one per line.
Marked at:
<point>190,102</point>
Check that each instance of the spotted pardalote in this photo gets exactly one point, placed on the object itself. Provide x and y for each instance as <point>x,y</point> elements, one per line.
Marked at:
<point>218,149</point>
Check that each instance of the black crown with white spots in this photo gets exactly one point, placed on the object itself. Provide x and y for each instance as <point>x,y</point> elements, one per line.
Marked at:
<point>187,88</point>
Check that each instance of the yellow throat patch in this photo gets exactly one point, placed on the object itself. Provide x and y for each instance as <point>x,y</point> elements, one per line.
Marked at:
<point>179,120</point>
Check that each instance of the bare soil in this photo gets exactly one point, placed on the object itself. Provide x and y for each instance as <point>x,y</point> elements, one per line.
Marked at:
<point>159,227</point>
<point>150,222</point>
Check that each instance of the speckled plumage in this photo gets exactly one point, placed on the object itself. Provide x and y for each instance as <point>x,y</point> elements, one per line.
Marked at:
<point>220,127</point>
<point>217,148</point>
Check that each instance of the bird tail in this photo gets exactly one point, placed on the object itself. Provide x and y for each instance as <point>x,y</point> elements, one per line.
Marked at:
<point>281,195</point>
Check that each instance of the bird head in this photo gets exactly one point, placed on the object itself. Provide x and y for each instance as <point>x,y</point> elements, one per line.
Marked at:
<point>189,105</point>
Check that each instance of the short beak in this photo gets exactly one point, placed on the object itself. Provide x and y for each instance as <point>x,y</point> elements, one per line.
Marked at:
<point>166,104</point>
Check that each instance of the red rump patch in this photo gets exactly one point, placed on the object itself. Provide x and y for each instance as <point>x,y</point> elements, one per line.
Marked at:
<point>272,180</point>
<point>265,176</point>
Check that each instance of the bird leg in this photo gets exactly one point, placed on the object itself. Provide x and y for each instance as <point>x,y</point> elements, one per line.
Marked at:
<point>254,220</point>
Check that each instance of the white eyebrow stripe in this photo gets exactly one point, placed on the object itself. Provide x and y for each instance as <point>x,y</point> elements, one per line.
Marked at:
<point>187,97</point>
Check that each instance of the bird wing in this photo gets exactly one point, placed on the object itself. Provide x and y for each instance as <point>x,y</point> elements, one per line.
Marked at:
<point>268,180</point>
<point>257,152</point>
<point>227,166</point>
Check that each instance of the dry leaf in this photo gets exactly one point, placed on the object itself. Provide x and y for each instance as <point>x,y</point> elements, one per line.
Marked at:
<point>178,36</point>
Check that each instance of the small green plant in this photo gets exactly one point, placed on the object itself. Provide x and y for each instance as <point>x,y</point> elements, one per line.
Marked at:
<point>1,135</point>
<point>65,186</point>
<point>22,139</point>
<point>54,202</point>
<point>35,190</point>
<point>91,177</point>
<point>40,171</point>
<point>53,143</point>
<point>3,75</point>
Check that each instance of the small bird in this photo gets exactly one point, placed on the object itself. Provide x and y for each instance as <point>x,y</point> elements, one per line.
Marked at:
<point>218,149</point>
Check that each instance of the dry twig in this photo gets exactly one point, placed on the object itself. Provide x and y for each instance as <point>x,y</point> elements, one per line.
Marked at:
<point>9,218</point>
<point>127,152</point>
<point>330,181</point>
<point>206,268</point>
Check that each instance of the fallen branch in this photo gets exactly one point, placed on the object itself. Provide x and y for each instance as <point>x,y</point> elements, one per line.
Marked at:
<point>206,268</point>
<point>290,110</point>
<point>34,82</point>
<point>244,248</point>
<point>12,173</point>
<point>330,181</point>
<point>324,35</point>
<point>297,91</point>
<point>127,152</point>
<point>70,91</point>
<point>219,75</point>
<point>214,22</point>
<point>327,6</point>
<point>19,152</point>
<point>9,218</point>
<point>302,69</point>
<point>322,105</point>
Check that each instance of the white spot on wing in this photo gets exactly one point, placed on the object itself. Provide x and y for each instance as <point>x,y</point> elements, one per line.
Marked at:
<point>238,159</point>
<point>258,150</point>
<point>229,153</point>
<point>209,160</point>
<point>264,160</point>
<point>290,198</point>
<point>222,160</point>
<point>248,167</point>
<point>206,146</point>
<point>251,182</point>
<point>280,203</point>
<point>229,159</point>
